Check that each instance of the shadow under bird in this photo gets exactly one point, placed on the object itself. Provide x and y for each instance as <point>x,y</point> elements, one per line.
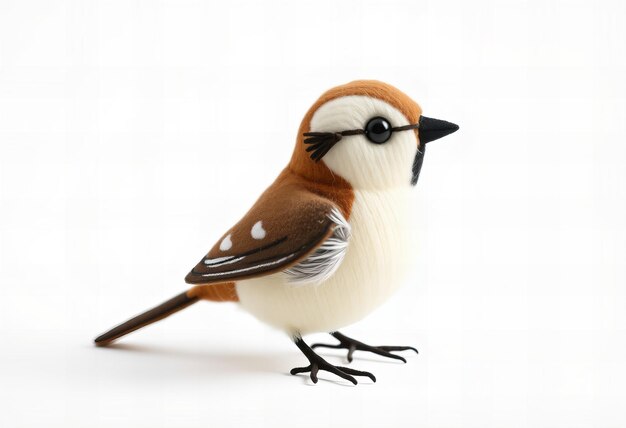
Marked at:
<point>326,243</point>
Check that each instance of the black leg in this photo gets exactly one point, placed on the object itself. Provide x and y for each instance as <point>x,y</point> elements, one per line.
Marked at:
<point>317,363</point>
<point>352,345</point>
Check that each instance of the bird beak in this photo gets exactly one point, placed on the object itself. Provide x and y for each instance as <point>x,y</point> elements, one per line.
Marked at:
<point>429,130</point>
<point>433,129</point>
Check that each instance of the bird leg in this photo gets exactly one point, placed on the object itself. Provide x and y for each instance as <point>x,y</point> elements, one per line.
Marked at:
<point>352,345</point>
<point>317,363</point>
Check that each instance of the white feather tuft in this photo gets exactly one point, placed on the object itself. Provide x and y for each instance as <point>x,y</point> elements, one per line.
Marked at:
<point>324,261</point>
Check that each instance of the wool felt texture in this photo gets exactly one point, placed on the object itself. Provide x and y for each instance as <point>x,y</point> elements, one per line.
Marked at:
<point>286,224</point>
<point>320,143</point>
<point>222,292</point>
<point>320,265</point>
<point>359,161</point>
<point>157,313</point>
<point>379,179</point>
<point>373,268</point>
<point>328,241</point>
<point>318,172</point>
<point>293,209</point>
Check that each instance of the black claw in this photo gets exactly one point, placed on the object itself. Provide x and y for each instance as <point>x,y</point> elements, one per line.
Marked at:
<point>300,370</point>
<point>398,348</point>
<point>314,371</point>
<point>377,351</point>
<point>357,373</point>
<point>341,374</point>
<point>352,345</point>
<point>317,363</point>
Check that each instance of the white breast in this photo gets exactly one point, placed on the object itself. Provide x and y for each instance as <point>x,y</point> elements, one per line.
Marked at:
<point>378,256</point>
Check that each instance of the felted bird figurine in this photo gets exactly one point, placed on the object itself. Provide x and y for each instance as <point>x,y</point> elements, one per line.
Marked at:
<point>326,243</point>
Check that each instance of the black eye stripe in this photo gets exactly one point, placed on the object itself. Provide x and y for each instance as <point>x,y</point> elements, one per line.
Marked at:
<point>320,143</point>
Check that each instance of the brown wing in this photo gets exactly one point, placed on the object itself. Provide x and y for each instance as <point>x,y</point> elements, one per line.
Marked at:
<point>286,224</point>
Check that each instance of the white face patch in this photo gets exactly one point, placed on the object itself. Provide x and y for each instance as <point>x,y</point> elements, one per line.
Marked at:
<point>364,164</point>
<point>257,231</point>
<point>226,244</point>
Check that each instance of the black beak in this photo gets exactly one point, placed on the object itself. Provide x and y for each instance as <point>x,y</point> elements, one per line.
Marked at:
<point>434,129</point>
<point>429,130</point>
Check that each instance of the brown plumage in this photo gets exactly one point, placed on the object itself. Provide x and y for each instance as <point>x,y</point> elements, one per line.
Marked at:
<point>302,182</point>
<point>302,225</point>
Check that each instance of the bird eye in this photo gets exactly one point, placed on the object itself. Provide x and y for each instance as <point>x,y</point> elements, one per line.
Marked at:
<point>378,130</point>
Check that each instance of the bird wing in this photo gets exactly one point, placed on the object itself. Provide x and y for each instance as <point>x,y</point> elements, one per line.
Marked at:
<point>285,225</point>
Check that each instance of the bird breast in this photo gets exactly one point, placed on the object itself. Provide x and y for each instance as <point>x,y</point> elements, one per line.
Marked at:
<point>377,258</point>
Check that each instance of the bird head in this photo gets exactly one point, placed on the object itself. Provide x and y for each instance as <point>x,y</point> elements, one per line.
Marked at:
<point>367,133</point>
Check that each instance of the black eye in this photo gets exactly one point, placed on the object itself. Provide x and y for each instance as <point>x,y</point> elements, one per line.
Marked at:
<point>378,130</point>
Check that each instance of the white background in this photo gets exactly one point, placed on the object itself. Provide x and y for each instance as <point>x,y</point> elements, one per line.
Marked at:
<point>134,133</point>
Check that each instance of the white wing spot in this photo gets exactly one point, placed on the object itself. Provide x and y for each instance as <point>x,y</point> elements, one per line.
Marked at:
<point>226,243</point>
<point>257,231</point>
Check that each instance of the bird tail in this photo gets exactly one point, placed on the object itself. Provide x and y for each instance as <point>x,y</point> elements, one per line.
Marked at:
<point>218,293</point>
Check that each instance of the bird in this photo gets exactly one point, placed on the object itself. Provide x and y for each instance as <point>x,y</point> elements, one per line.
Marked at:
<point>326,243</point>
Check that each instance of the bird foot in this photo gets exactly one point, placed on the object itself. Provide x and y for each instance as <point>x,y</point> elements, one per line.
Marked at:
<point>317,363</point>
<point>352,345</point>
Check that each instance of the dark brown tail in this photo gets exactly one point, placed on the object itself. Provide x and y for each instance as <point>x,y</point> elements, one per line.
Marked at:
<point>164,310</point>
